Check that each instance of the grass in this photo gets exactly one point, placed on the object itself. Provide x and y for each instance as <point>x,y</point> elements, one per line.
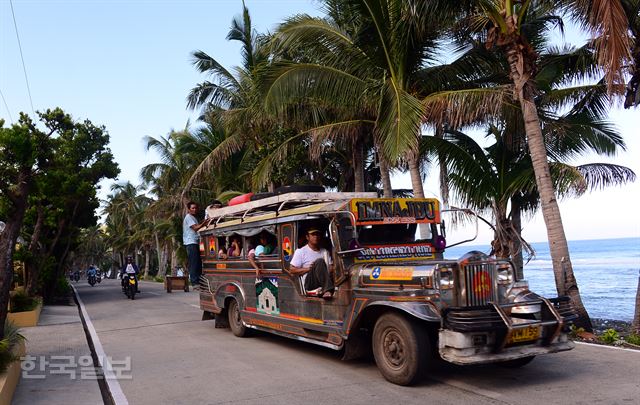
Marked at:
<point>21,302</point>
<point>12,337</point>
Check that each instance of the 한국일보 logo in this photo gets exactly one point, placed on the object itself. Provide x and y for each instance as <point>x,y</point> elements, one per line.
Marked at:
<point>375,273</point>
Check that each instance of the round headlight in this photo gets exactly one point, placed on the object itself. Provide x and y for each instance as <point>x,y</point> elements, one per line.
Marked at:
<point>505,273</point>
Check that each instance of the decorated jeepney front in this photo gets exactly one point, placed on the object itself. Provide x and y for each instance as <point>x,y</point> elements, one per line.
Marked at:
<point>485,314</point>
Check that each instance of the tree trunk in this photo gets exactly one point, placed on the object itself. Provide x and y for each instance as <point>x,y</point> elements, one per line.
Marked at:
<point>15,217</point>
<point>174,262</point>
<point>357,150</point>
<point>635,325</point>
<point>385,175</point>
<point>161,271</point>
<point>418,188</point>
<point>444,175</point>
<point>516,221</point>
<point>147,259</point>
<point>32,263</point>
<point>566,283</point>
<point>114,260</point>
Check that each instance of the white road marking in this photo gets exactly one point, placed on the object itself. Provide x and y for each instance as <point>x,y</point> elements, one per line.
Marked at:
<point>112,382</point>
<point>195,306</point>
<point>608,347</point>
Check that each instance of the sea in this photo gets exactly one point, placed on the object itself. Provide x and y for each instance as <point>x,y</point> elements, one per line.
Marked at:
<point>607,272</point>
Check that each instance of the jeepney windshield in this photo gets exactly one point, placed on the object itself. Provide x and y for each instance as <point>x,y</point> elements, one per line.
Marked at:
<point>388,228</point>
<point>394,234</point>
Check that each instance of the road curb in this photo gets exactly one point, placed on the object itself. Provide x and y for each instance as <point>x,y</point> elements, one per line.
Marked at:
<point>607,347</point>
<point>109,384</point>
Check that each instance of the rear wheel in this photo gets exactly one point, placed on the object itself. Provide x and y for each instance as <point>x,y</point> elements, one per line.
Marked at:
<point>400,347</point>
<point>132,291</point>
<point>235,319</point>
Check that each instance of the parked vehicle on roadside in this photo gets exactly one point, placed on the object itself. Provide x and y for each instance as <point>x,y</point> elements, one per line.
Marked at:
<point>395,294</point>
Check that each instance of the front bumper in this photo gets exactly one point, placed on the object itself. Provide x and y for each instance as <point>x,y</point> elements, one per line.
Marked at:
<point>462,348</point>
<point>494,333</point>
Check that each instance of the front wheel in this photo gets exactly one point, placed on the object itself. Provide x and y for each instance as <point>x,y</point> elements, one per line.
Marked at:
<point>400,347</point>
<point>132,291</point>
<point>235,319</point>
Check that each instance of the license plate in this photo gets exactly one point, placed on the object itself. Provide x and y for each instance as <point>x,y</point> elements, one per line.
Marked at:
<point>524,334</point>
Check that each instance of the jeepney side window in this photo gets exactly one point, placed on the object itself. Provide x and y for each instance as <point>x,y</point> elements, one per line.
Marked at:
<point>222,248</point>
<point>235,247</point>
<point>321,225</point>
<point>265,244</point>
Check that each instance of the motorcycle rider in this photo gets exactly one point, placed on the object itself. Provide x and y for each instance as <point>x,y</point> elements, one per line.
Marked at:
<point>91,272</point>
<point>129,268</point>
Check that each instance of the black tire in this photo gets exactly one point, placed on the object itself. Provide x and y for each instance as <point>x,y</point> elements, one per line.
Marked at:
<point>235,320</point>
<point>132,291</point>
<point>400,348</point>
<point>302,188</point>
<point>260,196</point>
<point>516,363</point>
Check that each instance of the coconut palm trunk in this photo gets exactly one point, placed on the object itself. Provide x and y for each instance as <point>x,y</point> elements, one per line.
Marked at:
<point>385,175</point>
<point>358,165</point>
<point>635,326</point>
<point>566,284</point>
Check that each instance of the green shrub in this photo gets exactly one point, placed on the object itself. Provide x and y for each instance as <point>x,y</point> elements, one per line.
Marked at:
<point>21,302</point>
<point>633,338</point>
<point>574,332</point>
<point>609,336</point>
<point>11,338</point>
<point>159,279</point>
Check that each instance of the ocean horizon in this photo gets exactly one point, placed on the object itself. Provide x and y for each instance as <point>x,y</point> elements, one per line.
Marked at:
<point>606,270</point>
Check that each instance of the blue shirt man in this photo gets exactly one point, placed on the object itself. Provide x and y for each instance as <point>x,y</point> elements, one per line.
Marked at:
<point>191,240</point>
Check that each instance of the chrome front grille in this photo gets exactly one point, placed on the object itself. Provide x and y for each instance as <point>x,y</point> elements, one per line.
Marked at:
<point>480,284</point>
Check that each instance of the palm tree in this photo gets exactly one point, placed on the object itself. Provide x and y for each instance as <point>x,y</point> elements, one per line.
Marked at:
<point>232,101</point>
<point>365,62</point>
<point>500,24</point>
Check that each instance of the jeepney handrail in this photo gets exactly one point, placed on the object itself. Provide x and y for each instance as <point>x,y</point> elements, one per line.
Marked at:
<point>351,216</point>
<point>245,214</point>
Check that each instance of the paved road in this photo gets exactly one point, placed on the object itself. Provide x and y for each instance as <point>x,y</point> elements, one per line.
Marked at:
<point>177,358</point>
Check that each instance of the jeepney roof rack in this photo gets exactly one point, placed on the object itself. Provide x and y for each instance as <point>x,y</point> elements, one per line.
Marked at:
<point>276,204</point>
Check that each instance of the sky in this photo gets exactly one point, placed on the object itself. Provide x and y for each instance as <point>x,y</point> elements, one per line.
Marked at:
<point>126,64</point>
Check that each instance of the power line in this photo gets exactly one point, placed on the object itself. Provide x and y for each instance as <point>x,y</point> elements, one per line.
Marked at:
<point>24,68</point>
<point>6,106</point>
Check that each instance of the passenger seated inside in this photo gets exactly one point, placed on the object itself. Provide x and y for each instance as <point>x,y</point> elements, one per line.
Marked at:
<point>235,250</point>
<point>222,252</point>
<point>265,245</point>
<point>313,264</point>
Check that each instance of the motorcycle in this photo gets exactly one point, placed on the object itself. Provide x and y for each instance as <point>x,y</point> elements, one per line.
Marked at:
<point>91,278</point>
<point>75,276</point>
<point>129,285</point>
<point>99,278</point>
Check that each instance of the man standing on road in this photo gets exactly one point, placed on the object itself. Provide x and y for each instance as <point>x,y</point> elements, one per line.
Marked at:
<point>190,240</point>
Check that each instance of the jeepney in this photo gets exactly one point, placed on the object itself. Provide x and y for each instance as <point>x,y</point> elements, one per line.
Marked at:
<point>395,294</point>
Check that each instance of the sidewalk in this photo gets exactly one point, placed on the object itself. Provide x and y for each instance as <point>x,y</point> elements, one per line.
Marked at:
<point>57,357</point>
